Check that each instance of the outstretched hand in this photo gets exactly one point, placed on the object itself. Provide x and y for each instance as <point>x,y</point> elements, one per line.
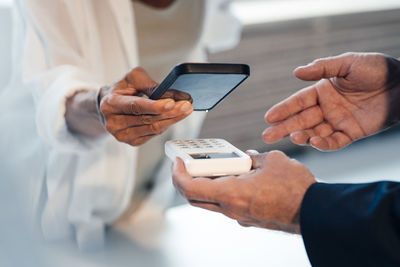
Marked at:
<point>351,100</point>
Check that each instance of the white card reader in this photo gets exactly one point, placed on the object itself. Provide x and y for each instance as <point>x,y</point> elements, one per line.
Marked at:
<point>209,157</point>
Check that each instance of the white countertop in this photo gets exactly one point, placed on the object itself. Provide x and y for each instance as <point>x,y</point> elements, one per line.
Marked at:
<point>192,237</point>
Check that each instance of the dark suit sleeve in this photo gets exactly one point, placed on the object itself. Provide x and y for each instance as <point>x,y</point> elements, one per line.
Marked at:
<point>352,224</point>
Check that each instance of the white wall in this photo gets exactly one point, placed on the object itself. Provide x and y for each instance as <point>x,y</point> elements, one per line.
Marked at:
<point>263,11</point>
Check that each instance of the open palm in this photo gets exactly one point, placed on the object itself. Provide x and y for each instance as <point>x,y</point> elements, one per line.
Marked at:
<point>351,100</point>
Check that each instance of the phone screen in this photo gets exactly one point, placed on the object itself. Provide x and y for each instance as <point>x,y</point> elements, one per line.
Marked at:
<point>207,90</point>
<point>215,155</point>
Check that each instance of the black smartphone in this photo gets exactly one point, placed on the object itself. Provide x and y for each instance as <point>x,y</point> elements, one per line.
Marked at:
<point>207,83</point>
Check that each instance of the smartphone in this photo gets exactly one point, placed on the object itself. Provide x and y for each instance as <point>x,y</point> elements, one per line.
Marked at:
<point>207,83</point>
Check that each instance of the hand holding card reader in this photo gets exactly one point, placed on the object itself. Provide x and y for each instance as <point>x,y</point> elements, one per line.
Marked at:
<point>209,157</point>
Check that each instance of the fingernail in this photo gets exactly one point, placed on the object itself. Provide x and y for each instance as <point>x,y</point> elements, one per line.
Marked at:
<point>252,152</point>
<point>186,107</point>
<point>267,117</point>
<point>303,67</point>
<point>170,105</point>
<point>267,136</point>
<point>266,132</point>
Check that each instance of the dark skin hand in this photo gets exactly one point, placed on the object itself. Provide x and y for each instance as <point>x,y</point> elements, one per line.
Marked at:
<point>126,114</point>
<point>351,100</point>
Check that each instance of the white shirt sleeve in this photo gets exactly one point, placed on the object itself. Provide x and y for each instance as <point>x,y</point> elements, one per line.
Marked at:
<point>88,182</point>
<point>57,63</point>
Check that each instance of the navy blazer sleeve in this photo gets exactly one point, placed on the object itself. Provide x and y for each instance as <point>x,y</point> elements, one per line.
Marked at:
<point>352,224</point>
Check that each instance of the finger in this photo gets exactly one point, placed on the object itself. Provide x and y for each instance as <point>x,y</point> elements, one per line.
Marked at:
<point>200,189</point>
<point>135,105</point>
<point>299,101</point>
<point>246,175</point>
<point>205,205</point>
<point>272,226</point>
<point>303,137</point>
<point>156,128</point>
<point>257,160</point>
<point>139,79</point>
<point>329,67</point>
<point>274,155</point>
<point>180,177</point>
<point>116,123</point>
<point>251,152</point>
<point>244,224</point>
<point>254,155</point>
<point>303,120</point>
<point>217,208</point>
<point>120,122</point>
<point>333,142</point>
<point>177,95</point>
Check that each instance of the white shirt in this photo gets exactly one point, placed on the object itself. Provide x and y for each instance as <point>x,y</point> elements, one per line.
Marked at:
<point>63,46</point>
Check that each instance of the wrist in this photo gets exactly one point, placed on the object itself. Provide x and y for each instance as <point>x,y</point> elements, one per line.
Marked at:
<point>82,115</point>
<point>98,98</point>
<point>296,217</point>
<point>393,89</point>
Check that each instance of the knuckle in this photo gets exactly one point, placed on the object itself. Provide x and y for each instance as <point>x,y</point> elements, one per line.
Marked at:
<point>300,121</point>
<point>104,106</point>
<point>120,136</point>
<point>295,162</point>
<point>136,109</point>
<point>348,54</point>
<point>241,223</point>
<point>321,62</point>
<point>156,128</point>
<point>318,61</point>
<point>274,154</point>
<point>146,119</point>
<point>110,124</point>
<point>109,127</point>
<point>301,102</point>
<point>261,158</point>
<point>131,75</point>
<point>238,202</point>
<point>112,99</point>
<point>137,69</point>
<point>136,142</point>
<point>186,193</point>
<point>140,141</point>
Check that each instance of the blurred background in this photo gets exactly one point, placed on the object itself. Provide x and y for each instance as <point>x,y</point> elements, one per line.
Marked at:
<point>278,36</point>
